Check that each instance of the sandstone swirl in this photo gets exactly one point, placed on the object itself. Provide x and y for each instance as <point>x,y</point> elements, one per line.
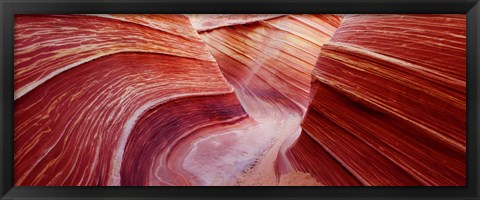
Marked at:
<point>93,90</point>
<point>388,101</point>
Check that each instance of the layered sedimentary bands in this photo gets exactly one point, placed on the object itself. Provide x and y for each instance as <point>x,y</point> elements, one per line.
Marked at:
<point>388,101</point>
<point>239,100</point>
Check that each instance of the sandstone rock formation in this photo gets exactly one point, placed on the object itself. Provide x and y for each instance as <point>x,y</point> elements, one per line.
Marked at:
<point>331,100</point>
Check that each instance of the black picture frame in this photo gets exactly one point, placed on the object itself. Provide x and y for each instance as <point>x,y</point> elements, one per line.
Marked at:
<point>10,7</point>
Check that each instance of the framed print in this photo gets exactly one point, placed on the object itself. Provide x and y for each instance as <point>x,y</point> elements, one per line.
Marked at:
<point>231,100</point>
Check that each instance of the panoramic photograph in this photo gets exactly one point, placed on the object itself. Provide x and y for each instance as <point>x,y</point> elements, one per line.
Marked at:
<point>240,100</point>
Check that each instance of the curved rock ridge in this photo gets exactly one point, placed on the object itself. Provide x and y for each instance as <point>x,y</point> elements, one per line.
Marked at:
<point>205,22</point>
<point>269,63</point>
<point>46,45</point>
<point>388,101</point>
<point>75,129</point>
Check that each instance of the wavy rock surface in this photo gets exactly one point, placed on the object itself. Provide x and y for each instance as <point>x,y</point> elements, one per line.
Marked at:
<point>388,101</point>
<point>122,79</point>
<point>46,46</point>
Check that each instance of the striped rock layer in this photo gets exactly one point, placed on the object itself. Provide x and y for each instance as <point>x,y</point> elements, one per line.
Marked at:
<point>239,100</point>
<point>388,101</point>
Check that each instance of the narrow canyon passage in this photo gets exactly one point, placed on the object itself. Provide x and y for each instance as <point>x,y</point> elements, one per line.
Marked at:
<point>268,62</point>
